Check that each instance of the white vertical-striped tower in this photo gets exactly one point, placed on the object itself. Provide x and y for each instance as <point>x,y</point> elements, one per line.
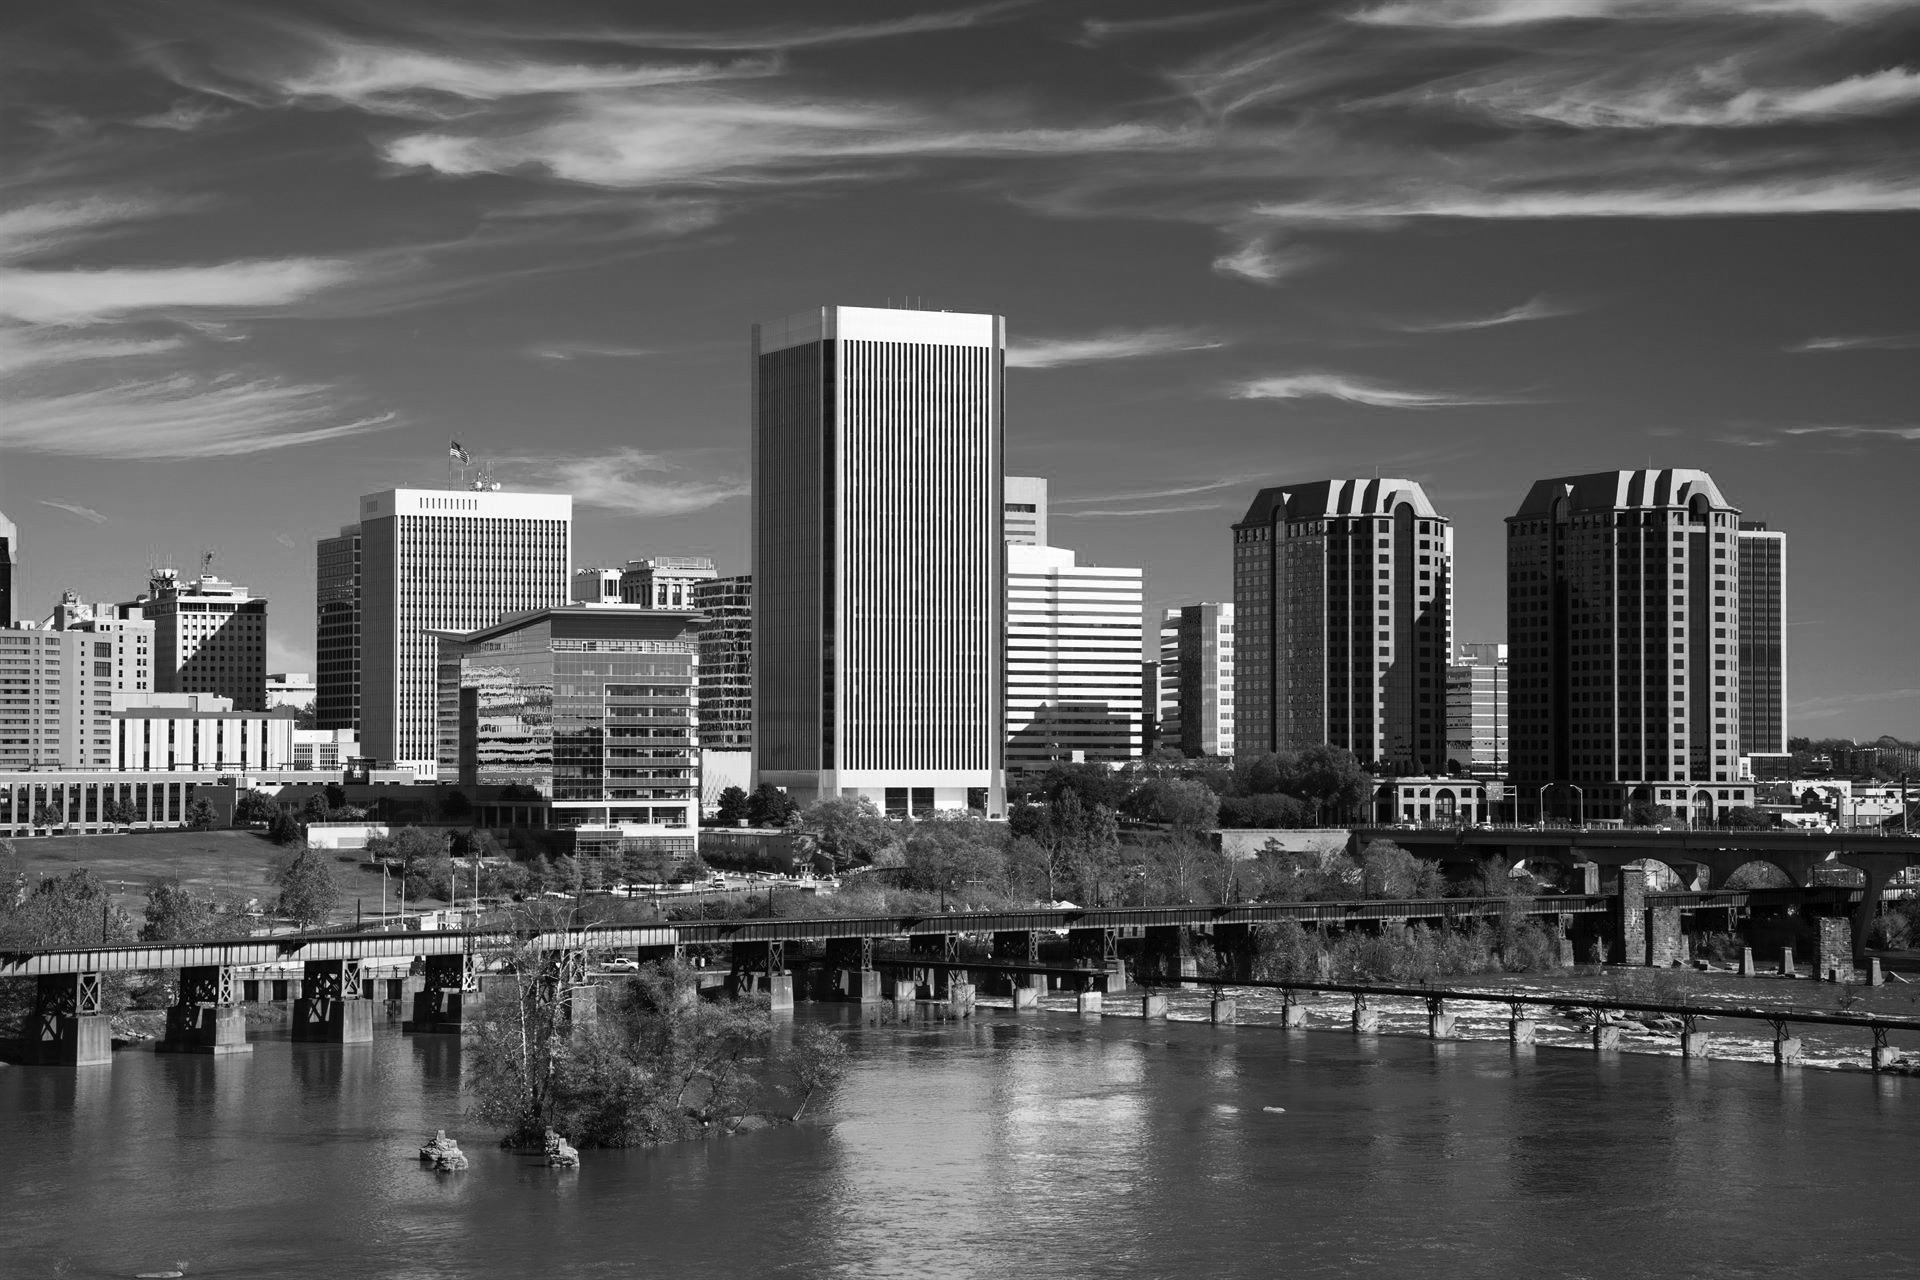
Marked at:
<point>877,506</point>
<point>1073,660</point>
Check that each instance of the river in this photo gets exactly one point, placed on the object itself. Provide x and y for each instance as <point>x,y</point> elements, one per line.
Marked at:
<point>1005,1146</point>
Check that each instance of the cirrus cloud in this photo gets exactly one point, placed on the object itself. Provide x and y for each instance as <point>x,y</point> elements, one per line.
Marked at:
<point>1336,386</point>
<point>1114,344</point>
<point>634,481</point>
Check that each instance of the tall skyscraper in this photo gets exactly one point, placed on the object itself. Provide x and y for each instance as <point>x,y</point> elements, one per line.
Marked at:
<point>1623,613</point>
<point>665,582</point>
<point>1197,679</point>
<point>726,662</point>
<point>1025,506</point>
<point>209,636</point>
<point>9,555</point>
<point>878,556</point>
<point>1763,639</point>
<point>436,560</point>
<point>336,631</point>
<point>1477,694</point>
<point>1343,622</point>
<point>1073,660</point>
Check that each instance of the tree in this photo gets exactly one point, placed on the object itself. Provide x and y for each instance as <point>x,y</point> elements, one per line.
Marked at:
<point>733,806</point>
<point>49,815</point>
<point>1094,784</point>
<point>1267,810</point>
<point>176,913</point>
<point>1744,817</point>
<point>308,892</point>
<point>949,854</point>
<point>1333,777</point>
<point>1096,853</point>
<point>422,855</point>
<point>285,829</point>
<point>1389,871</point>
<point>199,814</point>
<point>59,911</point>
<point>817,1060</point>
<point>1190,809</point>
<point>1644,813</point>
<point>253,808</point>
<point>770,806</point>
<point>848,829</point>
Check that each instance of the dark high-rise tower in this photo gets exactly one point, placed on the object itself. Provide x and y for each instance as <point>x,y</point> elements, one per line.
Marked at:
<point>1623,626</point>
<point>1343,622</point>
<point>1763,639</point>
<point>336,632</point>
<point>9,552</point>
<point>878,624</point>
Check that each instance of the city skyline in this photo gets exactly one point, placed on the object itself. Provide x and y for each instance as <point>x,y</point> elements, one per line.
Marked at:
<point>376,233</point>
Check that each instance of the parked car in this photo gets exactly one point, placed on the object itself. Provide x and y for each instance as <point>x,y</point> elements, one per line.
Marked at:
<point>620,964</point>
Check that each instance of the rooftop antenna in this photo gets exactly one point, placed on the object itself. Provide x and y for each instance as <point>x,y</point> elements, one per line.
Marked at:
<point>206,563</point>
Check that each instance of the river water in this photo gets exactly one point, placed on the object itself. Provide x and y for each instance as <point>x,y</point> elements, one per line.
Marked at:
<point>1004,1146</point>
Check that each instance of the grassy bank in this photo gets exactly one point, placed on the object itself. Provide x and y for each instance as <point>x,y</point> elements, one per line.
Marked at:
<point>237,861</point>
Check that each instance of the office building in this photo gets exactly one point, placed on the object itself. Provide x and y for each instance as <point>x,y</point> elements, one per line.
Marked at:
<point>590,705</point>
<point>197,733</point>
<point>9,557</point>
<point>596,586</point>
<point>878,557</point>
<point>1477,711</point>
<point>436,560</point>
<point>1343,622</point>
<point>1073,661</point>
<point>1025,506</point>
<point>1196,679</point>
<point>294,689</point>
<point>1149,707</point>
<point>329,750</point>
<point>209,636</point>
<point>57,690</point>
<point>726,662</point>
<point>1763,640</point>
<point>665,582</point>
<point>1623,613</point>
<point>336,632</point>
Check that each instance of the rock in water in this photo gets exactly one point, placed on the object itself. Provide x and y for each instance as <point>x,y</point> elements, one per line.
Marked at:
<point>560,1153</point>
<point>443,1153</point>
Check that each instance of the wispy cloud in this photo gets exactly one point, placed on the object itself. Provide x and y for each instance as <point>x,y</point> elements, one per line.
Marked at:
<point>1146,511</point>
<point>85,513</point>
<point>1336,386</point>
<point>1114,344</point>
<point>1149,495</point>
<point>1848,432</point>
<point>182,117</point>
<point>1098,30</point>
<point>588,351</point>
<point>634,481</point>
<point>180,416</point>
<point>286,541</point>
<point>1534,309</point>
<point>23,348</point>
<point>779,38</point>
<point>85,296</point>
<point>1858,342</point>
<point>1718,96</point>
<point>1263,260</point>
<point>1841,703</point>
<point>1518,13</point>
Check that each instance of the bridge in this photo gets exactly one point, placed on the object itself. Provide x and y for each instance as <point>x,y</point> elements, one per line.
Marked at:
<point>332,996</point>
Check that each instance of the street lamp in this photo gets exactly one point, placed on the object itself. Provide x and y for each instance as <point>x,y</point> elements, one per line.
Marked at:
<point>1580,798</point>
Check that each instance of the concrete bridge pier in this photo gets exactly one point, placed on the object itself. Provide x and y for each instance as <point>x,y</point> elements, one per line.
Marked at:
<point>1366,1018</point>
<point>1153,1006</point>
<point>1167,952</point>
<point>936,946</point>
<point>1439,1021</point>
<point>331,1008</point>
<point>67,1027</point>
<point>1234,946</point>
<point>1020,946</point>
<point>762,966</point>
<point>1885,1056</point>
<point>1666,945</point>
<point>1100,947</point>
<point>448,998</point>
<point>1026,999</point>
<point>1090,1002</point>
<point>1833,961</point>
<point>206,1017</point>
<point>1292,1013</point>
<point>1786,1046</point>
<point>1521,1029</point>
<point>1879,869</point>
<point>1223,1010</point>
<point>1630,917</point>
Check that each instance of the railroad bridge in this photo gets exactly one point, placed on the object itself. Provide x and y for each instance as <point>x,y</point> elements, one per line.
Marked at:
<point>856,958</point>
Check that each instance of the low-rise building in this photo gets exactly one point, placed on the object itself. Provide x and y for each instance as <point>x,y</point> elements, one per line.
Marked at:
<point>57,689</point>
<point>588,708</point>
<point>294,689</point>
<point>665,582</point>
<point>197,732</point>
<point>328,750</point>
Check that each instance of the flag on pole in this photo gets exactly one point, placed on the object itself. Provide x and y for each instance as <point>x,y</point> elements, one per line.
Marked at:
<point>455,451</point>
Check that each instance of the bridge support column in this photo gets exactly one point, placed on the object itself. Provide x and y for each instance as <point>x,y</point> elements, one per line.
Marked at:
<point>1233,946</point>
<point>1885,1056</point>
<point>1835,954</point>
<point>1663,937</point>
<point>1747,969</point>
<point>1153,1006</point>
<point>68,1027</point>
<point>1292,1012</point>
<point>960,998</point>
<point>1630,916</point>
<point>1439,1021</point>
<point>942,946</point>
<point>1693,1044</point>
<point>206,1018</point>
<point>862,985</point>
<point>449,996</point>
<point>1875,978</point>
<point>1786,1046</point>
<point>1100,947</point>
<point>1563,940</point>
<point>1026,999</point>
<point>1879,868</point>
<point>1787,969</point>
<point>1606,1036</point>
<point>1089,1002</point>
<point>1223,1010</point>
<point>330,1009</point>
<point>1366,1018</point>
<point>1021,946</point>
<point>1521,1030</point>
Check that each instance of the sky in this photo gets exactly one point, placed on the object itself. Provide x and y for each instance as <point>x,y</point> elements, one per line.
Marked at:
<point>258,259</point>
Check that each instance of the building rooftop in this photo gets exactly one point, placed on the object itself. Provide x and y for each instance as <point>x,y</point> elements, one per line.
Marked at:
<point>1320,498</point>
<point>580,621</point>
<point>1618,490</point>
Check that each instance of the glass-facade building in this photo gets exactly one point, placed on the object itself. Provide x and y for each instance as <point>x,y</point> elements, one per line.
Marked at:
<point>593,706</point>
<point>336,631</point>
<point>726,662</point>
<point>1763,640</point>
